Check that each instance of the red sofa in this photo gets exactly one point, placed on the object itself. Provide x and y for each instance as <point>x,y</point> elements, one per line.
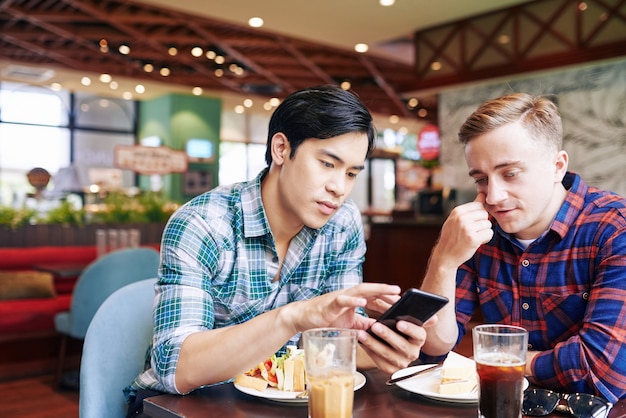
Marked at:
<point>29,344</point>
<point>26,315</point>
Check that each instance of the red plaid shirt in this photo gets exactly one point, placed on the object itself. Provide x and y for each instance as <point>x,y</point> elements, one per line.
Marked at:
<point>568,289</point>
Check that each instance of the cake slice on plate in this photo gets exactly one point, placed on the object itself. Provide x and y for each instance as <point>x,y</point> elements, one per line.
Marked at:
<point>458,375</point>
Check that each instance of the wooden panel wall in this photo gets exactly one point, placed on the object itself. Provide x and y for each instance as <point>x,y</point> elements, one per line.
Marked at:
<point>398,252</point>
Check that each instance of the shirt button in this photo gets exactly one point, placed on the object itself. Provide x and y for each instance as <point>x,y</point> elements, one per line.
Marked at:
<point>585,295</point>
<point>530,347</point>
<point>275,259</point>
<point>525,263</point>
<point>525,306</point>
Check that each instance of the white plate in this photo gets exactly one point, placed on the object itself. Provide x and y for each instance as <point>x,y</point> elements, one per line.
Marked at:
<point>428,384</point>
<point>274,394</point>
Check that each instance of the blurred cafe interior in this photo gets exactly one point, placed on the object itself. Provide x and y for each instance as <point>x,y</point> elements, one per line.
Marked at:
<point>149,102</point>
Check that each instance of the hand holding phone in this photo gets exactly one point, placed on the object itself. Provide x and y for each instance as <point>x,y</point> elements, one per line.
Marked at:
<point>415,306</point>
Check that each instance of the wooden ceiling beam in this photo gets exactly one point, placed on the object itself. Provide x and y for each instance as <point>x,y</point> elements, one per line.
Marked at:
<point>541,35</point>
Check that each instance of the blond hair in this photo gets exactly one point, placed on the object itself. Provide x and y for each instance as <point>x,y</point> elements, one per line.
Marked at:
<point>539,115</point>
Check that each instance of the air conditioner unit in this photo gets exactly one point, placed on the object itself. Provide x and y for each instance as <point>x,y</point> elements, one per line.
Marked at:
<point>28,74</point>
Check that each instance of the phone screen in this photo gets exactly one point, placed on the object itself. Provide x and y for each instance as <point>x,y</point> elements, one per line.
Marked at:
<point>415,306</point>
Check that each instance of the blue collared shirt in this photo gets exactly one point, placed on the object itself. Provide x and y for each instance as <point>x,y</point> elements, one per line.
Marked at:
<point>219,261</point>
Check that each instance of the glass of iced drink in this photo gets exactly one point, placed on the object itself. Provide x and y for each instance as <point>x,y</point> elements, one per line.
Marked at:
<point>330,364</point>
<point>500,355</point>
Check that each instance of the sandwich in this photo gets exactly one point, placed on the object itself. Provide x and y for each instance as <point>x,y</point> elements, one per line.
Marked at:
<point>283,373</point>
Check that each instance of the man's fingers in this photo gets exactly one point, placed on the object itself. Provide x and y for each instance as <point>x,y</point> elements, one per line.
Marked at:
<point>370,290</point>
<point>480,198</point>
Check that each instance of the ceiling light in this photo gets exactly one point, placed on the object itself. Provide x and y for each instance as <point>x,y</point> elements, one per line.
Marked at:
<point>220,59</point>
<point>267,106</point>
<point>422,113</point>
<point>504,39</point>
<point>148,68</point>
<point>413,102</point>
<point>172,51</point>
<point>127,95</point>
<point>361,47</point>
<point>196,51</point>
<point>219,72</point>
<point>394,119</point>
<point>139,88</point>
<point>210,54</point>
<point>106,78</point>
<point>255,22</point>
<point>113,85</point>
<point>164,71</point>
<point>56,86</point>
<point>196,91</point>
<point>124,49</point>
<point>435,66</point>
<point>274,101</point>
<point>345,85</point>
<point>239,109</point>
<point>104,45</point>
<point>248,103</point>
<point>386,2</point>
<point>582,6</point>
<point>85,81</point>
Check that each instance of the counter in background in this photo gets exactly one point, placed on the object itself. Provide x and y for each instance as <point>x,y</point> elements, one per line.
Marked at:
<point>398,251</point>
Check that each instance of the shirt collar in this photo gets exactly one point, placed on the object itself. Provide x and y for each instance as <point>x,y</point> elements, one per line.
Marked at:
<point>255,222</point>
<point>573,204</point>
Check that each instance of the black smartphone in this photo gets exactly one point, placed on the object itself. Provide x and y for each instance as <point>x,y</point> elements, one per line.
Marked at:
<point>415,306</point>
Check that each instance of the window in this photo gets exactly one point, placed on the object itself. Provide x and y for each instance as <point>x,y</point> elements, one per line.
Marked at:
<point>240,161</point>
<point>35,132</point>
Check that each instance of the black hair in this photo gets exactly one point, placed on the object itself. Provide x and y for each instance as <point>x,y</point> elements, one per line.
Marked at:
<point>320,112</point>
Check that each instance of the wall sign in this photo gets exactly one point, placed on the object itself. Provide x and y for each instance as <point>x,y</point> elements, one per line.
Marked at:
<point>428,142</point>
<point>150,160</point>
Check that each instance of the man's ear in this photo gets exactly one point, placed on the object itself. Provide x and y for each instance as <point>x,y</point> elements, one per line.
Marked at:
<point>280,148</point>
<point>561,165</point>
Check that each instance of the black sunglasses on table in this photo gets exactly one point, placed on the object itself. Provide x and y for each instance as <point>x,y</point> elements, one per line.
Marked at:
<point>540,402</point>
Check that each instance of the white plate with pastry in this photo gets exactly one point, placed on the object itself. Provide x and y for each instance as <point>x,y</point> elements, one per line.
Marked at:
<point>277,395</point>
<point>460,386</point>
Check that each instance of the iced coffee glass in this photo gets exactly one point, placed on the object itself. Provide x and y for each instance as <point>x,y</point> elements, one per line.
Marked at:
<point>330,359</point>
<point>500,355</point>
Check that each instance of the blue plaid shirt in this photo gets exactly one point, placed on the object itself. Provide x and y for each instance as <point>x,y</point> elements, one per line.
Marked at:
<point>218,264</point>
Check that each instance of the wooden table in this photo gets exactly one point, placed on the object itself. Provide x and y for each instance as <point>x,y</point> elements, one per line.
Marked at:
<point>374,400</point>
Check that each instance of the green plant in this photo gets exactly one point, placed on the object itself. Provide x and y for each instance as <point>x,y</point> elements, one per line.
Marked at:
<point>118,208</point>
<point>65,214</point>
<point>146,207</point>
<point>16,217</point>
<point>156,208</point>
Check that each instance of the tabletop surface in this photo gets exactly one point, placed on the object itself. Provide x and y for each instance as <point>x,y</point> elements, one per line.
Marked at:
<point>374,400</point>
